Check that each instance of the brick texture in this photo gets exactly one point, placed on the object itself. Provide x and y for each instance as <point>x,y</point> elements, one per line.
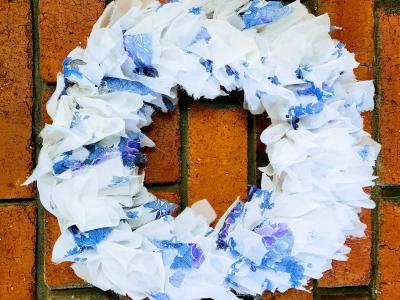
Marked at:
<point>163,161</point>
<point>64,25</point>
<point>289,295</point>
<point>356,19</point>
<point>389,246</point>
<point>16,98</point>
<point>389,26</point>
<point>17,249</point>
<point>217,155</point>
<point>356,270</point>
<point>46,96</point>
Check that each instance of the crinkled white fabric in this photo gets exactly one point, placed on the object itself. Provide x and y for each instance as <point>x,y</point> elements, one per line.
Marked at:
<point>119,236</point>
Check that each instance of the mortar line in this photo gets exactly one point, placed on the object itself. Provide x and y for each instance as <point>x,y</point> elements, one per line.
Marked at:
<point>389,191</point>
<point>163,187</point>
<point>312,6</point>
<point>390,6</point>
<point>85,291</point>
<point>251,149</point>
<point>344,291</point>
<point>17,201</point>
<point>315,291</point>
<point>184,153</point>
<point>376,190</point>
<point>40,286</point>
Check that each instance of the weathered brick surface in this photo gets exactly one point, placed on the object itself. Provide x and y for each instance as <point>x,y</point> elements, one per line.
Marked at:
<point>46,96</point>
<point>64,25</point>
<point>289,295</point>
<point>217,155</point>
<point>56,275</point>
<point>390,291</point>
<point>356,270</point>
<point>357,21</point>
<point>389,248</point>
<point>163,160</point>
<point>17,249</point>
<point>16,98</point>
<point>389,26</point>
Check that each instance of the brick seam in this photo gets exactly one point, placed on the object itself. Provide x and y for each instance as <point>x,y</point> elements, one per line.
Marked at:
<point>183,103</point>
<point>38,85</point>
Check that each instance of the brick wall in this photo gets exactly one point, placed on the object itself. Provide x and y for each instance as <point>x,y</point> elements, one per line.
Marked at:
<point>35,35</point>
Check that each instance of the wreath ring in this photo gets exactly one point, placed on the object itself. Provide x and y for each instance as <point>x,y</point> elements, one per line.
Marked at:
<point>121,237</point>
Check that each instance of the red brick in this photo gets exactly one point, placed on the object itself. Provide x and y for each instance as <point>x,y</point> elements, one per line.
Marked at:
<point>356,270</point>
<point>289,295</point>
<point>17,248</point>
<point>217,155</point>
<point>46,96</point>
<point>389,85</point>
<point>356,19</point>
<point>172,197</point>
<point>16,98</point>
<point>64,25</point>
<point>389,291</point>
<point>357,22</point>
<point>163,161</point>
<point>57,275</point>
<point>389,247</point>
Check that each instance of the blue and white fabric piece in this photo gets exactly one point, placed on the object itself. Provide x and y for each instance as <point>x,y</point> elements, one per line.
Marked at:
<point>119,236</point>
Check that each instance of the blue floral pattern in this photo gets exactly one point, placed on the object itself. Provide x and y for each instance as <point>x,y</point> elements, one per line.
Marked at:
<point>129,148</point>
<point>140,49</point>
<point>207,64</point>
<point>160,207</point>
<point>159,296</point>
<point>88,239</point>
<point>109,84</point>
<point>195,10</point>
<point>231,72</point>
<point>231,218</point>
<point>363,152</point>
<point>71,67</point>
<point>256,14</point>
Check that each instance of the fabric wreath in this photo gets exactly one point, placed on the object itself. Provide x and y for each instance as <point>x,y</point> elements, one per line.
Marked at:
<point>119,236</point>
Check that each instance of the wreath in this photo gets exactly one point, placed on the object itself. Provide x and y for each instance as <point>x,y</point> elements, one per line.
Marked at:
<point>119,236</point>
